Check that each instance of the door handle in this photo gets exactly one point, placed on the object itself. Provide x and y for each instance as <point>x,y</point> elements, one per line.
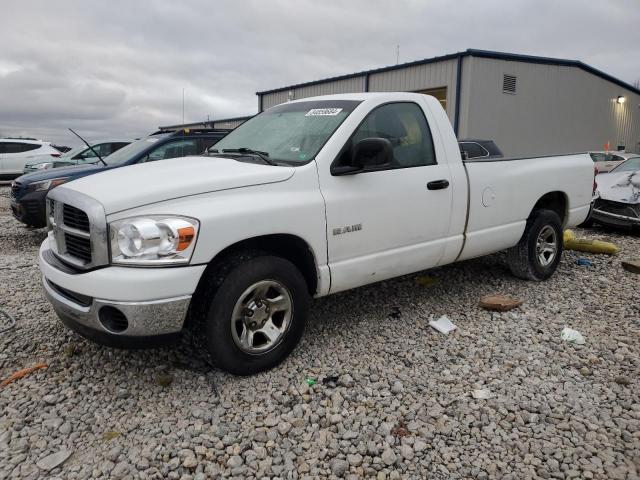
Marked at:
<point>438,184</point>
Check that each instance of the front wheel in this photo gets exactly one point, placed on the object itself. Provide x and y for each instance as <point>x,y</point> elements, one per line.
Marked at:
<point>256,313</point>
<point>537,254</point>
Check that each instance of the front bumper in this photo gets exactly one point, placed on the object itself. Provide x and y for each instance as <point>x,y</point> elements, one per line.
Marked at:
<point>614,219</point>
<point>120,306</point>
<point>30,209</point>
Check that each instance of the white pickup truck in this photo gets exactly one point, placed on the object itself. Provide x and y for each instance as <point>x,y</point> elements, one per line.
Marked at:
<point>306,199</point>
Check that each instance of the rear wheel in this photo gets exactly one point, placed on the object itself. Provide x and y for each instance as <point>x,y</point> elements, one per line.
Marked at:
<point>255,312</point>
<point>537,254</point>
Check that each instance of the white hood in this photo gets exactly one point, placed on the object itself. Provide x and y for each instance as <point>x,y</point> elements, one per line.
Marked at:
<point>620,186</point>
<point>136,185</point>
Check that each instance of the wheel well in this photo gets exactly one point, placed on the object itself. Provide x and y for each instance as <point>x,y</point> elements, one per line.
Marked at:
<point>288,246</point>
<point>555,201</point>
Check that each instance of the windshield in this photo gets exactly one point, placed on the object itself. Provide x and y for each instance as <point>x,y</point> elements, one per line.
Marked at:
<point>72,153</point>
<point>630,165</point>
<point>292,132</point>
<point>131,150</point>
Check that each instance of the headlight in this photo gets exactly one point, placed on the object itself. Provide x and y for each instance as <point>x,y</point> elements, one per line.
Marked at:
<point>155,240</point>
<point>42,166</point>
<point>46,184</point>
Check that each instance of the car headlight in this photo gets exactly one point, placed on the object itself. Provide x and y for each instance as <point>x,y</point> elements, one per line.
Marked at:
<point>154,240</point>
<point>46,184</point>
<point>42,166</point>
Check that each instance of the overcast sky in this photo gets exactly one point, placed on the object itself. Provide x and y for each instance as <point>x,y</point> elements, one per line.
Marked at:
<point>117,68</point>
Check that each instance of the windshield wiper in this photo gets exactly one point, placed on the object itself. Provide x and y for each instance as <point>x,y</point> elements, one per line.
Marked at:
<point>264,156</point>
<point>90,147</point>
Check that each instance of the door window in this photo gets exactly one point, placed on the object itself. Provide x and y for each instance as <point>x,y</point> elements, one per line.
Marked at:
<point>15,147</point>
<point>175,149</point>
<point>405,126</point>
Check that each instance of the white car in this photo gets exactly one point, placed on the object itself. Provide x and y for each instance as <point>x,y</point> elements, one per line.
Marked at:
<point>77,156</point>
<point>16,152</point>
<point>306,199</point>
<point>607,161</point>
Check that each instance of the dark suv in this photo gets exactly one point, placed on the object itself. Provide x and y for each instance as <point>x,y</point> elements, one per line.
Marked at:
<point>28,192</point>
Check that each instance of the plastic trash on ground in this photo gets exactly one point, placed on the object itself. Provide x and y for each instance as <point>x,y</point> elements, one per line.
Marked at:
<point>443,325</point>
<point>572,336</point>
<point>587,245</point>
<point>481,394</point>
<point>584,262</point>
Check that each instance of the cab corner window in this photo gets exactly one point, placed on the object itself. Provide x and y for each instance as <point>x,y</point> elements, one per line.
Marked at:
<point>405,126</point>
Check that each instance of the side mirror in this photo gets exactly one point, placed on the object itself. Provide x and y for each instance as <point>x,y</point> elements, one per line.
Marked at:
<point>368,155</point>
<point>372,154</point>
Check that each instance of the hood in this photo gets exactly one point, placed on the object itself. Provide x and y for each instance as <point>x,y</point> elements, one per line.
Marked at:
<point>74,170</point>
<point>620,186</point>
<point>137,185</point>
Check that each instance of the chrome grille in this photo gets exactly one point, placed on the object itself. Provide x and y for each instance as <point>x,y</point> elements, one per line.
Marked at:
<point>78,234</point>
<point>79,247</point>
<point>75,218</point>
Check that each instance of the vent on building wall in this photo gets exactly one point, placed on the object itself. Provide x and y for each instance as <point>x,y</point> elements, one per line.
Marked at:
<point>509,83</point>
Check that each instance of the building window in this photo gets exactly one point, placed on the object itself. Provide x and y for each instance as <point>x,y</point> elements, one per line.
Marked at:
<point>509,83</point>
<point>440,93</point>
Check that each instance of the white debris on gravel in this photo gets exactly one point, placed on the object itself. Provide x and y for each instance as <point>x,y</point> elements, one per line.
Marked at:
<point>397,404</point>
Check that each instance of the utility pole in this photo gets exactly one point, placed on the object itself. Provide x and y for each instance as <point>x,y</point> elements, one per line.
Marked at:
<point>183,105</point>
<point>397,54</point>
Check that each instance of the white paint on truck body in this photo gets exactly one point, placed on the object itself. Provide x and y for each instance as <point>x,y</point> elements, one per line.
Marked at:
<point>405,227</point>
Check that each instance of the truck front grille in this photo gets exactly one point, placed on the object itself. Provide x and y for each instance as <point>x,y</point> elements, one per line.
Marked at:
<point>75,218</point>
<point>78,236</point>
<point>78,247</point>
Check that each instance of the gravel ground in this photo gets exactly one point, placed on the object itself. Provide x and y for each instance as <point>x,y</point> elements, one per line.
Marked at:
<point>392,400</point>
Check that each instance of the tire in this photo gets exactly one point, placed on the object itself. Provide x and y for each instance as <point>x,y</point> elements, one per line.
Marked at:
<point>525,258</point>
<point>236,287</point>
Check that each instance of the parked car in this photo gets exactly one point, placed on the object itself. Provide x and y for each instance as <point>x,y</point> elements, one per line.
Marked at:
<point>305,199</point>
<point>618,202</point>
<point>61,148</point>
<point>77,156</point>
<point>15,152</point>
<point>29,191</point>
<point>607,161</point>
<point>475,148</point>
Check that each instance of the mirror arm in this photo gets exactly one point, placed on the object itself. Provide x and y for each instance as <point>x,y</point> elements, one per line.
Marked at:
<point>345,170</point>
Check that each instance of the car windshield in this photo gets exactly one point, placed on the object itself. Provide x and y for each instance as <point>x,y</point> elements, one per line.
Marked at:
<point>131,150</point>
<point>73,152</point>
<point>630,165</point>
<point>292,133</point>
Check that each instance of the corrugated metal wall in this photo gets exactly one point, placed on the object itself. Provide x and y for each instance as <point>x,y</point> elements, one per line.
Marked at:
<point>228,123</point>
<point>414,78</point>
<point>419,77</point>
<point>555,109</point>
<point>349,85</point>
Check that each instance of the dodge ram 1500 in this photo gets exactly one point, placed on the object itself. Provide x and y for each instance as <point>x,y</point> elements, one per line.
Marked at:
<point>306,199</point>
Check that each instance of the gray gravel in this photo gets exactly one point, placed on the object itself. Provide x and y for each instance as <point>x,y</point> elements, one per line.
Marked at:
<point>393,398</point>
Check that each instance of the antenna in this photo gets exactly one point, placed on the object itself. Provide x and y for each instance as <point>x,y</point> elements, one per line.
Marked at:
<point>397,54</point>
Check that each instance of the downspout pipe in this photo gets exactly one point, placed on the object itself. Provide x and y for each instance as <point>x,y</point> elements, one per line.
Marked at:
<point>456,115</point>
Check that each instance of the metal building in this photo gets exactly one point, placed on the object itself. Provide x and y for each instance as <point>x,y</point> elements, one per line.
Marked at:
<point>529,105</point>
<point>222,123</point>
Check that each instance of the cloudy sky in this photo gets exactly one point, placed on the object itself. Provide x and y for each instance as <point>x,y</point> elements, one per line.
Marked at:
<point>117,68</point>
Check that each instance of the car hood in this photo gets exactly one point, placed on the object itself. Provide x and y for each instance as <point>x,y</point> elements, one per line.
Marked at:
<point>137,185</point>
<point>58,172</point>
<point>620,186</point>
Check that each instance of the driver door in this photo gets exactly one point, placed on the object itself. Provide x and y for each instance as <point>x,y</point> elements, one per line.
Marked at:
<point>389,222</point>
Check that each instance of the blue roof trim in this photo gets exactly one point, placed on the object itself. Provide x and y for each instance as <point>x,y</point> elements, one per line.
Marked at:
<point>514,57</point>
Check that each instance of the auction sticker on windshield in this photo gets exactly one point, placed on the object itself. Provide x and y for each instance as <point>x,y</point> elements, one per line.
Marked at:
<point>323,112</point>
